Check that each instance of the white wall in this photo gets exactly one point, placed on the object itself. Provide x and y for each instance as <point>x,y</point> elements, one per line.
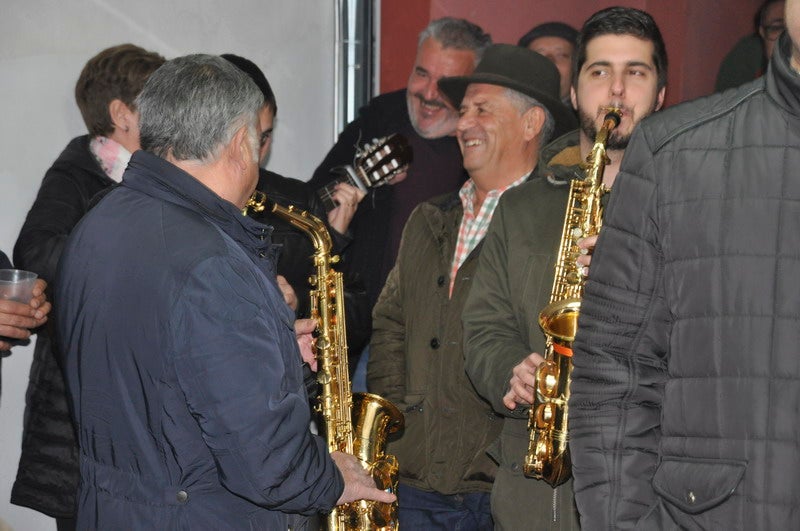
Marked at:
<point>43,46</point>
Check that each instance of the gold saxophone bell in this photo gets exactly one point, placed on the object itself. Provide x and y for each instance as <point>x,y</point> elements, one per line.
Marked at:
<point>548,452</point>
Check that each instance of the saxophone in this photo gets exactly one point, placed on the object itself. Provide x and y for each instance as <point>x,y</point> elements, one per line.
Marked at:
<point>548,453</point>
<point>356,424</point>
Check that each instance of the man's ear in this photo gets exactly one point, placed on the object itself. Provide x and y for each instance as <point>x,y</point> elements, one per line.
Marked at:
<point>532,123</point>
<point>238,150</point>
<point>660,98</point>
<point>120,115</point>
<point>573,97</point>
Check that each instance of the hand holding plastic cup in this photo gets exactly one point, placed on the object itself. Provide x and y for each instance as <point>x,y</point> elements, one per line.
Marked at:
<point>17,285</point>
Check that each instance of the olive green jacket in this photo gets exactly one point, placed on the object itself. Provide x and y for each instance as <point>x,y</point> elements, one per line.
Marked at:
<point>416,359</point>
<point>512,284</point>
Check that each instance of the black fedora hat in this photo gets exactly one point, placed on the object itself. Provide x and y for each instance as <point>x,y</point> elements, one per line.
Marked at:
<point>519,69</point>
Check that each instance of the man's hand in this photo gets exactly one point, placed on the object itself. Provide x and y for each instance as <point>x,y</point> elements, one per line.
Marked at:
<point>523,380</point>
<point>16,318</point>
<point>288,292</point>
<point>587,246</point>
<point>304,330</point>
<point>347,197</point>
<point>358,484</point>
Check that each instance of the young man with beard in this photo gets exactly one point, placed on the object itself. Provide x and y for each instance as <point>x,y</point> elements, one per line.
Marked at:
<point>447,47</point>
<point>621,62</point>
<point>686,380</point>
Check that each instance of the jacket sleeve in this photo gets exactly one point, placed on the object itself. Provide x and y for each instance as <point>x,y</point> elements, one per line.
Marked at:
<point>58,207</point>
<point>386,368</point>
<point>492,338</point>
<point>238,364</point>
<point>620,355</point>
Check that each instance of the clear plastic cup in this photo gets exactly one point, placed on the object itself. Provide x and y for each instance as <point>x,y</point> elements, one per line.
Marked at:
<point>17,285</point>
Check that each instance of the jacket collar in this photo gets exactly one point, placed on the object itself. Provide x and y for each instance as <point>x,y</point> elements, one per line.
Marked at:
<point>783,83</point>
<point>559,161</point>
<point>158,178</point>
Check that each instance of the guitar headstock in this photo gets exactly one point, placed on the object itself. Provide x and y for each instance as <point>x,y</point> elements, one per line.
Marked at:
<point>374,164</point>
<point>379,161</point>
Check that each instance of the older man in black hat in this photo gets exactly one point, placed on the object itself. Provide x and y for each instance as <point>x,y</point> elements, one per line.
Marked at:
<point>509,108</point>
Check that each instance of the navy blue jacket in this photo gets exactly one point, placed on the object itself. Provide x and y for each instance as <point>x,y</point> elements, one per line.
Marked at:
<point>182,365</point>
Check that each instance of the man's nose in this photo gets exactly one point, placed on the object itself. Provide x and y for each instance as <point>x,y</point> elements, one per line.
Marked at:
<point>617,85</point>
<point>431,90</point>
<point>465,121</point>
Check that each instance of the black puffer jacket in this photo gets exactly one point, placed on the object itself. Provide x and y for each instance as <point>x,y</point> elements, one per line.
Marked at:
<point>686,387</point>
<point>47,478</point>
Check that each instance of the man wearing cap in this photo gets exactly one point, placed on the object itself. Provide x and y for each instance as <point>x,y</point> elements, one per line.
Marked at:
<point>509,108</point>
<point>556,41</point>
<point>621,62</point>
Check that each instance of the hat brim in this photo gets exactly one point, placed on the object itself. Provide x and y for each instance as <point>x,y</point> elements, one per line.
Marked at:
<point>454,89</point>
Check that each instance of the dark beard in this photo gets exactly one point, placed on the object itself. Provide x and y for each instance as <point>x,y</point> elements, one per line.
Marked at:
<point>616,142</point>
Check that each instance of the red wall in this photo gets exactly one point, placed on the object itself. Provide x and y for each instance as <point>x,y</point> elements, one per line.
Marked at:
<point>697,33</point>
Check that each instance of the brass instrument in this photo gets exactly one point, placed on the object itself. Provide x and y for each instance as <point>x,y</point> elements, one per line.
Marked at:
<point>548,454</point>
<point>356,424</point>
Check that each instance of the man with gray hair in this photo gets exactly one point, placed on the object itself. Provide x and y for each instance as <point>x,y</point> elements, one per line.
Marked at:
<point>181,357</point>
<point>447,47</point>
<point>509,108</point>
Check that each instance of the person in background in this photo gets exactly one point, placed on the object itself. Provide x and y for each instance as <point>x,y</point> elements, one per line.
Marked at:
<point>17,319</point>
<point>47,477</point>
<point>182,359</point>
<point>749,57</point>
<point>509,108</point>
<point>622,63</point>
<point>446,47</point>
<point>686,380</point>
<point>295,263</point>
<point>556,41</point>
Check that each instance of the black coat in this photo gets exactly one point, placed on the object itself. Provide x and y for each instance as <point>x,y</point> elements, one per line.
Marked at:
<point>183,366</point>
<point>686,386</point>
<point>47,478</point>
<point>379,220</point>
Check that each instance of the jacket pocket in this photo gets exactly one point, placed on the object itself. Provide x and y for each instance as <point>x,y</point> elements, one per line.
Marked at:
<point>696,485</point>
<point>410,447</point>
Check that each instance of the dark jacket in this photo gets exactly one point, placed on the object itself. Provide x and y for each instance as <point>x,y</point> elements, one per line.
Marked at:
<point>686,381</point>
<point>380,218</point>
<point>47,478</point>
<point>512,284</point>
<point>417,359</point>
<point>183,366</point>
<point>295,260</point>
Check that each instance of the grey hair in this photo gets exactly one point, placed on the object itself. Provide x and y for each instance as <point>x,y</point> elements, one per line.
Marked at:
<point>457,33</point>
<point>523,102</point>
<point>191,107</point>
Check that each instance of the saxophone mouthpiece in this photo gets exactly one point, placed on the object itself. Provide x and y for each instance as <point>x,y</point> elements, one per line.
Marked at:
<point>614,114</point>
